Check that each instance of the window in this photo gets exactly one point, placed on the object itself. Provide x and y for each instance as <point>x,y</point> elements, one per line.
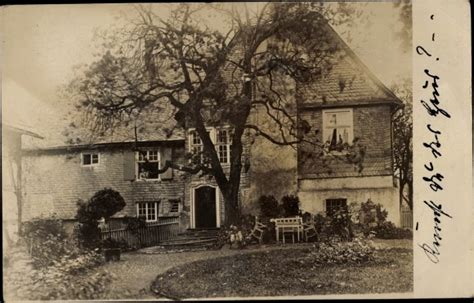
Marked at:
<point>337,129</point>
<point>223,145</point>
<point>196,143</point>
<point>333,205</point>
<point>174,205</point>
<point>148,164</point>
<point>221,139</point>
<point>89,159</point>
<point>148,211</point>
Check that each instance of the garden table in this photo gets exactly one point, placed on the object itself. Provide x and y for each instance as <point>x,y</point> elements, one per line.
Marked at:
<point>288,225</point>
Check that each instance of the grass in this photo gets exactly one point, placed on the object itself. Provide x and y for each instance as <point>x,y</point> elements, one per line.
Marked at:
<point>279,273</point>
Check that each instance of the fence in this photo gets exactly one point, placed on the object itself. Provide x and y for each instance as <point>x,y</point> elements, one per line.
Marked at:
<point>407,218</point>
<point>150,235</point>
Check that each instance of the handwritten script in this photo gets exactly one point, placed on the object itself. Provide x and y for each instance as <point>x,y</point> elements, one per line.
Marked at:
<point>433,178</point>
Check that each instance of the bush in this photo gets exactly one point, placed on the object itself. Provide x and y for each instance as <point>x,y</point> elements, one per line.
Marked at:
<point>69,277</point>
<point>339,226</point>
<point>370,215</point>
<point>103,204</point>
<point>388,230</point>
<point>372,219</point>
<point>291,206</point>
<point>356,252</point>
<point>269,207</point>
<point>46,240</point>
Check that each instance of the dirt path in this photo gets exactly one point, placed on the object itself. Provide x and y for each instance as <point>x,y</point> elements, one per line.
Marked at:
<point>135,272</point>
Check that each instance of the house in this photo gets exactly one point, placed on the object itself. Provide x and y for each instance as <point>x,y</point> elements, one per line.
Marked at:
<point>346,103</point>
<point>56,178</point>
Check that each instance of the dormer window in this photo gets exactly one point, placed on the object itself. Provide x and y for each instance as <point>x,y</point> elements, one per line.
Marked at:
<point>337,129</point>
<point>89,159</point>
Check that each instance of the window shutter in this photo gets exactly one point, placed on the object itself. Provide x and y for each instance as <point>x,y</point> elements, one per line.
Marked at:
<point>166,155</point>
<point>129,165</point>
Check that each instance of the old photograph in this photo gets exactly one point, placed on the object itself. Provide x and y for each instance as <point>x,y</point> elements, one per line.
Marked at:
<point>207,150</point>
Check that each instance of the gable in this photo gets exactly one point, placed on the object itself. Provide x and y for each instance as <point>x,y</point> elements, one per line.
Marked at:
<point>348,82</point>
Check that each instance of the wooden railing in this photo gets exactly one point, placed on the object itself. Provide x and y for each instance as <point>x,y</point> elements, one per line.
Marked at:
<point>152,234</point>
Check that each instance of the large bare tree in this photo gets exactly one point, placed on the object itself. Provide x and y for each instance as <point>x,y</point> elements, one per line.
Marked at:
<point>214,75</point>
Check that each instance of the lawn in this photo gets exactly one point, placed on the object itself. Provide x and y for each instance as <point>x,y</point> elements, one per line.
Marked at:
<point>277,272</point>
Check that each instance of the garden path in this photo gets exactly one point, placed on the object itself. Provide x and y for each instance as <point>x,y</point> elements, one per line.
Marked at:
<point>135,272</point>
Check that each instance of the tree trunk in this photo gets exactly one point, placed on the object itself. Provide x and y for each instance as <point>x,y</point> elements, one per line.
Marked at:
<point>231,203</point>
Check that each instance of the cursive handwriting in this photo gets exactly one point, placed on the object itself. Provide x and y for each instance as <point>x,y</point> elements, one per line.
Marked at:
<point>432,251</point>
<point>434,178</point>
<point>433,107</point>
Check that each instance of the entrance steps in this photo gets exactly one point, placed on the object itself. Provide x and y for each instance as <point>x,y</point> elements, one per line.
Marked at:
<point>192,239</point>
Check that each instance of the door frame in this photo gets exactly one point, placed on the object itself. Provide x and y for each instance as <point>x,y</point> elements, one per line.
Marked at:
<point>193,206</point>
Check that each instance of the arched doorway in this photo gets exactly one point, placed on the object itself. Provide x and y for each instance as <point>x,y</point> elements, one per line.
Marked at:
<point>205,207</point>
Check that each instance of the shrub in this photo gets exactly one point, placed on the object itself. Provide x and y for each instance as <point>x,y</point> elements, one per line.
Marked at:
<point>103,204</point>
<point>291,206</point>
<point>69,277</point>
<point>269,207</point>
<point>46,240</point>
<point>370,215</point>
<point>87,230</point>
<point>372,219</point>
<point>388,230</point>
<point>338,226</point>
<point>356,252</point>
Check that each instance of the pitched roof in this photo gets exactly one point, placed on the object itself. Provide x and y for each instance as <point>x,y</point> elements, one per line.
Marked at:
<point>152,126</point>
<point>348,83</point>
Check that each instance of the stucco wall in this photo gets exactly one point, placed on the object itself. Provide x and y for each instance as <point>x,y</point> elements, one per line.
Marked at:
<point>378,189</point>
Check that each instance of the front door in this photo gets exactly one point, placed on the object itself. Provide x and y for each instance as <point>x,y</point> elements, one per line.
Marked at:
<point>205,207</point>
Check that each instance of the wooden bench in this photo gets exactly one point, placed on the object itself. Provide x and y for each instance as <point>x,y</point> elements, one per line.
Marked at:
<point>288,226</point>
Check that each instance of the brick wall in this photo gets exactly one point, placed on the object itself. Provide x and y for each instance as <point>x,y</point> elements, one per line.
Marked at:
<point>371,124</point>
<point>55,181</point>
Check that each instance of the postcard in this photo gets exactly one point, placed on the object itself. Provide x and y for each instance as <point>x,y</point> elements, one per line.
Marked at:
<point>238,150</point>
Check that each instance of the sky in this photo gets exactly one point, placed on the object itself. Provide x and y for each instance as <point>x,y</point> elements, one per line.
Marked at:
<point>42,45</point>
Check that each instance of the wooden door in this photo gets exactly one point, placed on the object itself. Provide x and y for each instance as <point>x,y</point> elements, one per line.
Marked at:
<point>205,207</point>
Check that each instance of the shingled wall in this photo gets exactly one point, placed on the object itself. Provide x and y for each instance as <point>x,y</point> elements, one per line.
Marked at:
<point>55,180</point>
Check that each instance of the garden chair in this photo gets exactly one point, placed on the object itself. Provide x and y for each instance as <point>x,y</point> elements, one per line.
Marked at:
<point>309,230</point>
<point>257,231</point>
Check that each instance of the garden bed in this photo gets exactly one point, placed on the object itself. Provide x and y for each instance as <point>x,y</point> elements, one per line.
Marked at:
<point>286,272</point>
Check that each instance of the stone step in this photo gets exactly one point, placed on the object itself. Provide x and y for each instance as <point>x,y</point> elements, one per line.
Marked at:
<point>174,244</point>
<point>198,234</point>
<point>190,239</point>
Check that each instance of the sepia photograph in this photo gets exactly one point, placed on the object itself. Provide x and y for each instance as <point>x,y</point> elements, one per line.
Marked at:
<point>207,150</point>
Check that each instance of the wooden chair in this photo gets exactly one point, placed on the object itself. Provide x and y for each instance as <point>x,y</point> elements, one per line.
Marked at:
<point>309,230</point>
<point>257,231</point>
